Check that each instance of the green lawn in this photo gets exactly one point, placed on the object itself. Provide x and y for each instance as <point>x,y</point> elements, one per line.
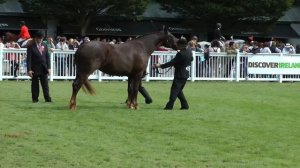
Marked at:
<point>229,124</point>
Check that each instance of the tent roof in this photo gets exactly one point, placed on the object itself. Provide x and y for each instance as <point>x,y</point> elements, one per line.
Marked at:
<point>292,15</point>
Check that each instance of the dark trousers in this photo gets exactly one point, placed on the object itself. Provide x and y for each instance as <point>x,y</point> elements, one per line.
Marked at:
<point>146,95</point>
<point>14,67</point>
<point>176,91</point>
<point>35,89</point>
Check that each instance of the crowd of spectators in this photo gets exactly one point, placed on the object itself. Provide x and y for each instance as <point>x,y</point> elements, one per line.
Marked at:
<point>64,43</point>
<point>224,66</point>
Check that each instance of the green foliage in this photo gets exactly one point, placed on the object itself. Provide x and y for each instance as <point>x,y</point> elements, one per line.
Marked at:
<point>81,12</point>
<point>218,10</point>
<point>2,1</point>
<point>229,124</point>
<point>82,8</point>
<point>297,2</point>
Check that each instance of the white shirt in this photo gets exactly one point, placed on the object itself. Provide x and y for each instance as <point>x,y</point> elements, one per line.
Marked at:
<point>265,50</point>
<point>62,46</point>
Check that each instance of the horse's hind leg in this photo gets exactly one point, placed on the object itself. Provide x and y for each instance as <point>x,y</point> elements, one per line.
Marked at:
<point>129,88</point>
<point>79,80</point>
<point>135,83</point>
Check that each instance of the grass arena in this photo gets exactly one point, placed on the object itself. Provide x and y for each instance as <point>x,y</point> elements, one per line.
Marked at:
<point>229,124</point>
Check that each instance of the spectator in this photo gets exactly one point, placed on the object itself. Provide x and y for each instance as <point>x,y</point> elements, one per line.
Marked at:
<point>86,39</point>
<point>60,60</point>
<point>38,67</point>
<point>193,46</point>
<point>255,49</point>
<point>231,48</point>
<point>265,48</point>
<point>207,62</point>
<point>119,41</point>
<point>62,44</point>
<point>50,44</point>
<point>229,61</point>
<point>244,61</point>
<point>129,38</point>
<point>274,48</point>
<point>245,49</point>
<point>12,57</point>
<point>113,41</point>
<point>288,49</point>
<point>73,44</point>
<point>216,46</point>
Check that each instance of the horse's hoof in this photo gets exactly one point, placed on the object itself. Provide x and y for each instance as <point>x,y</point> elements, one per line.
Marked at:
<point>72,106</point>
<point>131,106</point>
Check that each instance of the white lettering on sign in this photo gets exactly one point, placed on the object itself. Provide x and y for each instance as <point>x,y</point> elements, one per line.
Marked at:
<point>3,25</point>
<point>107,28</point>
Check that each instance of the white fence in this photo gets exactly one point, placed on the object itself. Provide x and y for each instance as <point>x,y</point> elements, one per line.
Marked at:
<point>220,67</point>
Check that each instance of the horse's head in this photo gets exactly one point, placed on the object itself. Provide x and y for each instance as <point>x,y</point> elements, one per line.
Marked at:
<point>170,40</point>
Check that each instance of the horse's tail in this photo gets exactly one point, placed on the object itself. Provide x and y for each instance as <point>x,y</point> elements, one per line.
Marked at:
<point>87,88</point>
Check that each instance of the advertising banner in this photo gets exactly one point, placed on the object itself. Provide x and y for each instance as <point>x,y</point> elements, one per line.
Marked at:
<point>274,65</point>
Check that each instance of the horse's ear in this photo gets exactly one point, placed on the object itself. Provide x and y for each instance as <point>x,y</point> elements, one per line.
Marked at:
<point>165,29</point>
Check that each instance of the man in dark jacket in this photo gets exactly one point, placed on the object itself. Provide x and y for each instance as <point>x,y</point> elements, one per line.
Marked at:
<point>182,64</point>
<point>38,67</point>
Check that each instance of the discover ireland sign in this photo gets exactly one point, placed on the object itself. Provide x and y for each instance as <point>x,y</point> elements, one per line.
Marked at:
<point>274,64</point>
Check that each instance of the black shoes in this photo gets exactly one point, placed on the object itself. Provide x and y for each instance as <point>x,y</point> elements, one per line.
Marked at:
<point>36,101</point>
<point>148,101</point>
<point>182,108</point>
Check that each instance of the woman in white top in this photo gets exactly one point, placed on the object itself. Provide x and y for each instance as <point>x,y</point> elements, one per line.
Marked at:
<point>265,49</point>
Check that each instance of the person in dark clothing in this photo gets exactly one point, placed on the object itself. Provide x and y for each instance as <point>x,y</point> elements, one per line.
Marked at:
<point>145,94</point>
<point>255,48</point>
<point>143,91</point>
<point>217,33</point>
<point>38,67</point>
<point>182,64</point>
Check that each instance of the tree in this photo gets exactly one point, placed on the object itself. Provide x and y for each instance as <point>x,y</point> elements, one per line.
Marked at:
<point>2,1</point>
<point>218,10</point>
<point>297,3</point>
<point>235,15</point>
<point>82,12</point>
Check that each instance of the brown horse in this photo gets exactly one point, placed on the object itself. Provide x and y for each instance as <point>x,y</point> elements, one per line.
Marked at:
<point>127,59</point>
<point>8,37</point>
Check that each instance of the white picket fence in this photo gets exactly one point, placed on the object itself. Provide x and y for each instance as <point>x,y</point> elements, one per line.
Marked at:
<point>220,67</point>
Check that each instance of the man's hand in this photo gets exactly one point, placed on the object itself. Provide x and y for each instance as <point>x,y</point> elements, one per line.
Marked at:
<point>156,65</point>
<point>49,72</point>
<point>30,73</point>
